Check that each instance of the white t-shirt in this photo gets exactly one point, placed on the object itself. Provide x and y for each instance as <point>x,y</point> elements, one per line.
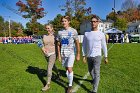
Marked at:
<point>67,38</point>
<point>93,42</point>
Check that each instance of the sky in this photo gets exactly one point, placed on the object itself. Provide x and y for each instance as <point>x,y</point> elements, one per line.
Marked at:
<point>52,7</point>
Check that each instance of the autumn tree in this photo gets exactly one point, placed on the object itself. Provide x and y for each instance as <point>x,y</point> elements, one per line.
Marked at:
<point>80,10</point>
<point>28,31</point>
<point>57,23</point>
<point>77,11</point>
<point>130,11</point>
<point>111,16</point>
<point>16,28</point>
<point>1,23</point>
<point>33,10</point>
<point>129,4</point>
<point>75,24</point>
<point>1,26</point>
<point>76,8</point>
<point>121,24</point>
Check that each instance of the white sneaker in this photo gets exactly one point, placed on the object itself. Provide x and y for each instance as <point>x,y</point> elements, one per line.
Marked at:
<point>46,87</point>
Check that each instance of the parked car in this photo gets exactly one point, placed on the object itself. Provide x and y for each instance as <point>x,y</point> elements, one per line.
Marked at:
<point>135,38</point>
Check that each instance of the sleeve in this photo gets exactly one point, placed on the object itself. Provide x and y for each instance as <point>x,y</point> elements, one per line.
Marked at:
<point>84,46</point>
<point>104,46</point>
<point>58,37</point>
<point>75,35</point>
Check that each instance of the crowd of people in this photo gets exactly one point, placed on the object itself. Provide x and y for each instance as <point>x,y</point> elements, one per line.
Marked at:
<point>118,38</point>
<point>17,40</point>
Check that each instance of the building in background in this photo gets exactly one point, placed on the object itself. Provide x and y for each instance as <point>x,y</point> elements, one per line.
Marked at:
<point>133,28</point>
<point>103,26</point>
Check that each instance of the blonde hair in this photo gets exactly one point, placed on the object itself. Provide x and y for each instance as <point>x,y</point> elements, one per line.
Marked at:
<point>50,25</point>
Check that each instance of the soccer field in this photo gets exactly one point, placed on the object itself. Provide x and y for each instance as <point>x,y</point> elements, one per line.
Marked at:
<point>23,70</point>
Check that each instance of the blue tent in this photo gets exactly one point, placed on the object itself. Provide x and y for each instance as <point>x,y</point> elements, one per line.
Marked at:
<point>113,30</point>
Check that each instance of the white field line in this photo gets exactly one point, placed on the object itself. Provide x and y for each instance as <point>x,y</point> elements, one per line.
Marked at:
<point>75,89</point>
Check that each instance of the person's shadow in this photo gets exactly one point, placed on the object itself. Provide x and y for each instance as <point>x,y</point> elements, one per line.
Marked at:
<point>78,78</point>
<point>41,73</point>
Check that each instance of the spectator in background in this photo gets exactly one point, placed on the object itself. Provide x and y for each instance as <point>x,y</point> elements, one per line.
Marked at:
<point>5,40</point>
<point>113,38</point>
<point>129,37</point>
<point>14,40</point>
<point>126,38</point>
<point>122,38</point>
<point>117,38</point>
<point>49,49</point>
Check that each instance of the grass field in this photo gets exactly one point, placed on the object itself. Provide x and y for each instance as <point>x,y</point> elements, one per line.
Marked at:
<point>23,70</point>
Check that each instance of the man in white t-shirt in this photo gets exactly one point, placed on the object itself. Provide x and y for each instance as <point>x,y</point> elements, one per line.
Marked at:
<point>93,42</point>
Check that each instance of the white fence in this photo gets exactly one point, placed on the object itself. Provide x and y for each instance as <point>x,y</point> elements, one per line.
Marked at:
<point>80,38</point>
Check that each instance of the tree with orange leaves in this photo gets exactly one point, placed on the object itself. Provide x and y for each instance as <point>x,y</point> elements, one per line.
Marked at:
<point>31,9</point>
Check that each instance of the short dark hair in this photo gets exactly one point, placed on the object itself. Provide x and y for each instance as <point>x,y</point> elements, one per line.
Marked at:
<point>96,17</point>
<point>66,17</point>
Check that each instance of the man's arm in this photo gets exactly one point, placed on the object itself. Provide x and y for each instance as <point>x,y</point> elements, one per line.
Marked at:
<point>78,50</point>
<point>104,47</point>
<point>84,49</point>
<point>58,51</point>
<point>43,47</point>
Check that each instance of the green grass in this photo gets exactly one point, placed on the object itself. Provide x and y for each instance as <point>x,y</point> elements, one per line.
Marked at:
<point>23,67</point>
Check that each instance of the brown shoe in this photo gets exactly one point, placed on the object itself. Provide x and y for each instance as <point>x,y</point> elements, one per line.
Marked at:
<point>46,87</point>
<point>69,90</point>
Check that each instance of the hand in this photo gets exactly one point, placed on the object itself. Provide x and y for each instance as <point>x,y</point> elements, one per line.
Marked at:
<point>106,60</point>
<point>44,50</point>
<point>78,57</point>
<point>84,59</point>
<point>59,58</point>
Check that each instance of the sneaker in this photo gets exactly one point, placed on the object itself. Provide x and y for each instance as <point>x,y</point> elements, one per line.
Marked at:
<point>69,90</point>
<point>46,87</point>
